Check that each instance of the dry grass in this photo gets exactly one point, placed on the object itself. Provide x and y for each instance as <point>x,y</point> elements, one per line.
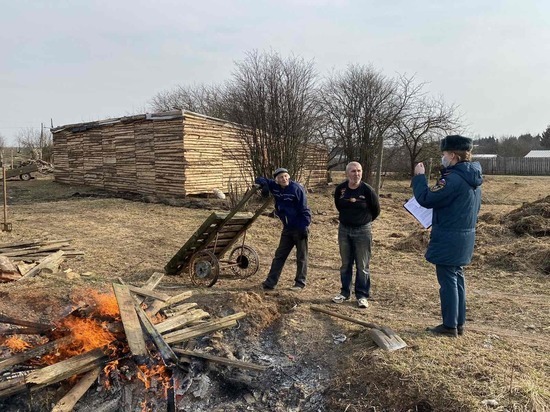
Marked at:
<point>503,356</point>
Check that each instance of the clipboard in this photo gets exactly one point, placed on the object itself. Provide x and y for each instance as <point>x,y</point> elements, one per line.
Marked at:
<point>420,213</point>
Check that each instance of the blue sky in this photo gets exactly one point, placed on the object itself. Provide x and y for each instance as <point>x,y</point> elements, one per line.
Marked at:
<point>75,61</point>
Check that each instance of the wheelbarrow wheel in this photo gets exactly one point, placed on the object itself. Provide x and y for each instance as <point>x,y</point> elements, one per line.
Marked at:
<point>204,269</point>
<point>25,176</point>
<point>247,261</point>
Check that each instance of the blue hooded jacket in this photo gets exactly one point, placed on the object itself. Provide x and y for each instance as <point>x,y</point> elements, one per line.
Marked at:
<point>290,203</point>
<point>455,200</point>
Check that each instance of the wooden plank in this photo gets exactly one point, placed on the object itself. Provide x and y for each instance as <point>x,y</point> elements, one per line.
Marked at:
<point>130,321</point>
<point>153,281</point>
<point>172,300</point>
<point>33,353</point>
<point>51,259</point>
<point>21,322</point>
<point>73,366</point>
<point>149,293</point>
<point>223,361</point>
<point>28,330</point>
<point>178,310</point>
<point>168,356</point>
<point>180,259</point>
<point>67,403</point>
<point>7,266</point>
<point>178,322</point>
<point>200,330</point>
<point>157,305</point>
<point>12,386</point>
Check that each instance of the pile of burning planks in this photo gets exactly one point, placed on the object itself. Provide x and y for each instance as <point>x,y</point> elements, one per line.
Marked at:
<point>23,260</point>
<point>150,330</point>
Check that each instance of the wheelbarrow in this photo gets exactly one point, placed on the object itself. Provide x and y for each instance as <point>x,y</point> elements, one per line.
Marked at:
<point>202,256</point>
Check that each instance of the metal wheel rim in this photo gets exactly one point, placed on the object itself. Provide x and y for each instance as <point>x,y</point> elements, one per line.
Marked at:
<point>204,269</point>
<point>249,258</point>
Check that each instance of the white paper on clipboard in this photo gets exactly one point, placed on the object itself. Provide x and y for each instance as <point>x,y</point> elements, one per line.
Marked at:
<point>420,213</point>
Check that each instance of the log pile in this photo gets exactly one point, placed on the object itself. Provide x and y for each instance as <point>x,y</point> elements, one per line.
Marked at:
<point>163,154</point>
<point>134,340</point>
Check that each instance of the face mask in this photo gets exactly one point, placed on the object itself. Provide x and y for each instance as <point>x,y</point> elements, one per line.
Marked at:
<point>445,162</point>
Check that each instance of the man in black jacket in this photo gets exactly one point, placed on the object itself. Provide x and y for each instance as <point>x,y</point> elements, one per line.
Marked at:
<point>358,206</point>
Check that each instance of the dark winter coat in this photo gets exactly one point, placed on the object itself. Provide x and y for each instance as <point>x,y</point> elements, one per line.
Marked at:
<point>290,203</point>
<point>455,200</point>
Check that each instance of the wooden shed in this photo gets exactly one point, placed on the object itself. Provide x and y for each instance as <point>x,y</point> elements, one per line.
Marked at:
<point>168,154</point>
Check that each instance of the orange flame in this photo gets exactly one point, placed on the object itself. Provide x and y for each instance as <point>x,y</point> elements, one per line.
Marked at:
<point>157,372</point>
<point>111,366</point>
<point>102,304</point>
<point>86,334</point>
<point>106,304</point>
<point>16,344</point>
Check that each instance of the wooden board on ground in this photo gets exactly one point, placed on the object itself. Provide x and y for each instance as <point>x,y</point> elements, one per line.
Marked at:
<point>130,320</point>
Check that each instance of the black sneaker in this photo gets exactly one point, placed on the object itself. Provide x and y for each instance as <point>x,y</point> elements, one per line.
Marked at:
<point>460,329</point>
<point>265,286</point>
<point>443,330</point>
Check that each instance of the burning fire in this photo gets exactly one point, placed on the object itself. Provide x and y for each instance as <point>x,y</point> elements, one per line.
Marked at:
<point>16,344</point>
<point>157,372</point>
<point>87,333</point>
<point>106,304</point>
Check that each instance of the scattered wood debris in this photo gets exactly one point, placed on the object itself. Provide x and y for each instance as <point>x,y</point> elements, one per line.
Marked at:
<point>26,259</point>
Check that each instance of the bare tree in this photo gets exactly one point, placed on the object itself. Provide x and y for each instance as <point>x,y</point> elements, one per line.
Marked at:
<point>424,121</point>
<point>204,99</point>
<point>361,105</point>
<point>36,143</point>
<point>274,99</point>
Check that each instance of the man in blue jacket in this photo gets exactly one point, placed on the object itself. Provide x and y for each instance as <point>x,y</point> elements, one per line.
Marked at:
<point>291,207</point>
<point>455,200</point>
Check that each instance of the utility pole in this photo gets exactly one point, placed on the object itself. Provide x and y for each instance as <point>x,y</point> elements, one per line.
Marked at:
<point>41,139</point>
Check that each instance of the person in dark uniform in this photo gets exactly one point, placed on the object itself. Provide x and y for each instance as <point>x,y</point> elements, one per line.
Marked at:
<point>455,200</point>
<point>358,206</point>
<point>291,207</point>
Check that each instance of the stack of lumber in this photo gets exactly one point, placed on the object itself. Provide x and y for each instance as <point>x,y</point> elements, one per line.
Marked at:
<point>315,165</point>
<point>93,161</point>
<point>173,154</point>
<point>213,145</point>
<point>138,154</point>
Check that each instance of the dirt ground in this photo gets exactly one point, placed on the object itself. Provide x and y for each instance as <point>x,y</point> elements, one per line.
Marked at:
<point>316,362</point>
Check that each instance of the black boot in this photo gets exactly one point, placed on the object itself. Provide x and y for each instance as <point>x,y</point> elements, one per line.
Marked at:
<point>443,330</point>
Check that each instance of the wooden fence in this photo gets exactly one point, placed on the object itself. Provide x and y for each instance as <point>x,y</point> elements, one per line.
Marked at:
<point>531,166</point>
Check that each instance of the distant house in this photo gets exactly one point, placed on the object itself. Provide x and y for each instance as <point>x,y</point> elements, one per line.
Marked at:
<point>538,153</point>
<point>167,154</point>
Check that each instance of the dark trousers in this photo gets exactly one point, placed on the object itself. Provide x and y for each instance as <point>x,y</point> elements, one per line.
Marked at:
<point>452,293</point>
<point>289,239</point>
<point>355,247</point>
